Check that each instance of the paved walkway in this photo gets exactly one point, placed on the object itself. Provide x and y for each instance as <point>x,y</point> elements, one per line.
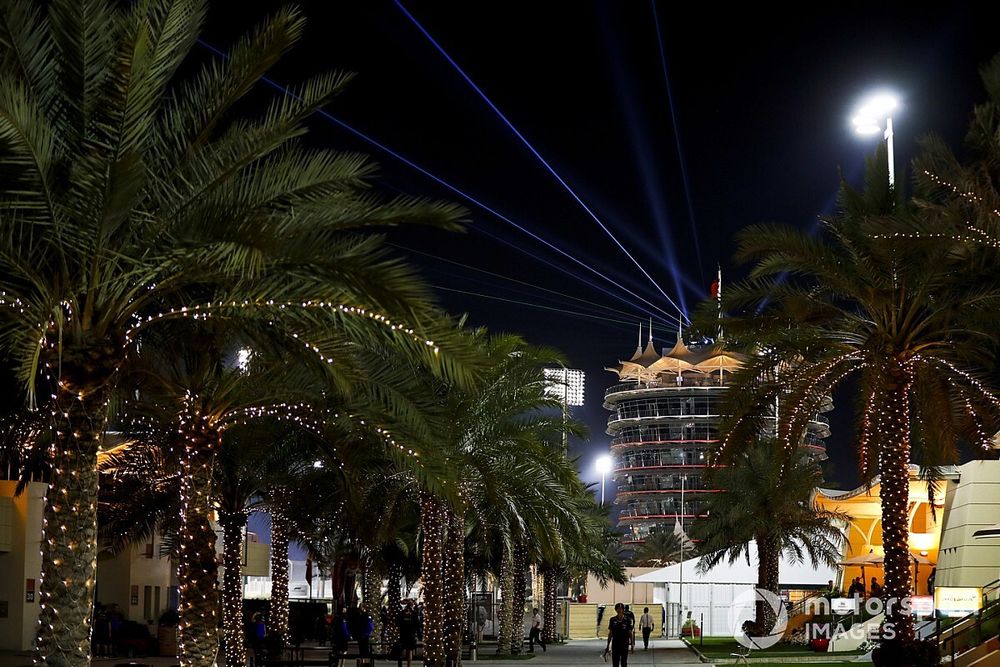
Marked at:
<point>583,653</point>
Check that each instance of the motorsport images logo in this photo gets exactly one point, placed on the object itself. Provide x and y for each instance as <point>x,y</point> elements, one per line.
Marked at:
<point>743,610</point>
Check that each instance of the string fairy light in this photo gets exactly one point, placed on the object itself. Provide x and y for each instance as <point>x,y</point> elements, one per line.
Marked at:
<point>197,567</point>
<point>432,522</point>
<point>279,509</point>
<point>233,524</point>
<point>208,309</point>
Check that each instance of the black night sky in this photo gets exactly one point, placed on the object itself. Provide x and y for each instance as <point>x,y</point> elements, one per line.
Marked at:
<point>758,130</point>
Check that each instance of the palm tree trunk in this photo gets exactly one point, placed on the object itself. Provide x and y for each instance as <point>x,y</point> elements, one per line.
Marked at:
<point>454,587</point>
<point>371,592</point>
<point>550,585</point>
<point>197,567</point>
<point>233,525</point>
<point>279,562</point>
<point>69,540</point>
<point>520,599</point>
<point>432,523</point>
<point>893,428</point>
<point>506,636</point>
<point>394,601</point>
<point>768,563</point>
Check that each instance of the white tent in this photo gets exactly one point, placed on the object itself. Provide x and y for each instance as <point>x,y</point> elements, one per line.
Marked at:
<point>708,596</point>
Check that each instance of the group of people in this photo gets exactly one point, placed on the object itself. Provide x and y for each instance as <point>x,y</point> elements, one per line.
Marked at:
<point>857,588</point>
<point>621,634</point>
<point>107,621</point>
<point>343,626</point>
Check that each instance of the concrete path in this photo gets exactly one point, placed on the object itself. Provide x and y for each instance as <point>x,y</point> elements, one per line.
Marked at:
<point>581,653</point>
<point>587,653</point>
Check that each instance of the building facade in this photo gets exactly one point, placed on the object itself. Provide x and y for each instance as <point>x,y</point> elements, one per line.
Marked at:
<point>139,580</point>
<point>664,428</point>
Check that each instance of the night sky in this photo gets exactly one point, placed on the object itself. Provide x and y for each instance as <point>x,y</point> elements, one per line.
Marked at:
<point>758,130</point>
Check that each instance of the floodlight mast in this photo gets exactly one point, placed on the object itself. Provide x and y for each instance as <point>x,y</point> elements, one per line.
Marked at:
<point>868,120</point>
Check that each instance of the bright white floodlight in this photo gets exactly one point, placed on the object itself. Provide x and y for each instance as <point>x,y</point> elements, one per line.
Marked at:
<point>566,384</point>
<point>869,119</point>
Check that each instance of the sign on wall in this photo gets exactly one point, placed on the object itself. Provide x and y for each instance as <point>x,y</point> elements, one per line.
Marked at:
<point>29,590</point>
<point>957,601</point>
<point>922,605</point>
<point>844,605</point>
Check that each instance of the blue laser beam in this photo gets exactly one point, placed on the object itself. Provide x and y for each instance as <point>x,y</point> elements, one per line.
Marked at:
<point>646,164</point>
<point>534,152</point>
<point>534,289</point>
<point>677,140</point>
<point>410,163</point>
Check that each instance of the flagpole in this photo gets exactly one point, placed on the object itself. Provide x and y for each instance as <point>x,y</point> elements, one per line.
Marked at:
<point>680,596</point>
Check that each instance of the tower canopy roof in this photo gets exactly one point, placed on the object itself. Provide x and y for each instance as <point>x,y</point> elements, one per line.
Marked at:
<point>720,359</point>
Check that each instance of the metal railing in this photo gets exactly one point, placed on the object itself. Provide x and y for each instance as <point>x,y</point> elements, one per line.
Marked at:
<point>701,382</point>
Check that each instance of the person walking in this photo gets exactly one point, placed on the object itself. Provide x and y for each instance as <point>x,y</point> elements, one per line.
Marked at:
<point>360,624</point>
<point>340,636</point>
<point>408,623</point>
<point>480,623</point>
<point>630,617</point>
<point>535,634</point>
<point>620,638</point>
<point>646,625</point>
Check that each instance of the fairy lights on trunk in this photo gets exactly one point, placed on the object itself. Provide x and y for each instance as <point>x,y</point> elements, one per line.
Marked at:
<point>550,584</point>
<point>394,600</point>
<point>506,584</point>
<point>279,508</point>
<point>69,524</point>
<point>432,524</point>
<point>197,567</point>
<point>454,586</point>
<point>519,599</point>
<point>892,427</point>
<point>233,526</point>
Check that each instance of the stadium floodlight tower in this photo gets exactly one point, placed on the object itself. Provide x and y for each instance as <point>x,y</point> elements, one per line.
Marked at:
<point>566,384</point>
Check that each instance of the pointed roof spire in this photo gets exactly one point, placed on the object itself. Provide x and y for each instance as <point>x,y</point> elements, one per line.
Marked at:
<point>638,345</point>
<point>680,326</point>
<point>650,329</point>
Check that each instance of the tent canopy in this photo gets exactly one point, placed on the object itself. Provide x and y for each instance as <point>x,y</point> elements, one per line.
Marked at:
<point>790,574</point>
<point>878,559</point>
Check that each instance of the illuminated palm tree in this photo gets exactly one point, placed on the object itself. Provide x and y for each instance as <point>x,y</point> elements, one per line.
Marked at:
<point>769,500</point>
<point>903,317</point>
<point>130,194</point>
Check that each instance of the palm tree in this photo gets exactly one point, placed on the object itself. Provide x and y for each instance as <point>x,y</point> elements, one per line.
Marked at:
<point>769,500</point>
<point>127,188</point>
<point>901,316</point>
<point>660,549</point>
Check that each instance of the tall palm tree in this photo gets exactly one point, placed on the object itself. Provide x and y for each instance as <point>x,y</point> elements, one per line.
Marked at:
<point>125,187</point>
<point>769,500</point>
<point>901,316</point>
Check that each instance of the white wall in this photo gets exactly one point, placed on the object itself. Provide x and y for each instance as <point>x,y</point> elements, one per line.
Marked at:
<point>22,562</point>
<point>972,504</point>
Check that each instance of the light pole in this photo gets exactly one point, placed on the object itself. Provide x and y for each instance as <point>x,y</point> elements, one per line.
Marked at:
<point>868,120</point>
<point>603,465</point>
